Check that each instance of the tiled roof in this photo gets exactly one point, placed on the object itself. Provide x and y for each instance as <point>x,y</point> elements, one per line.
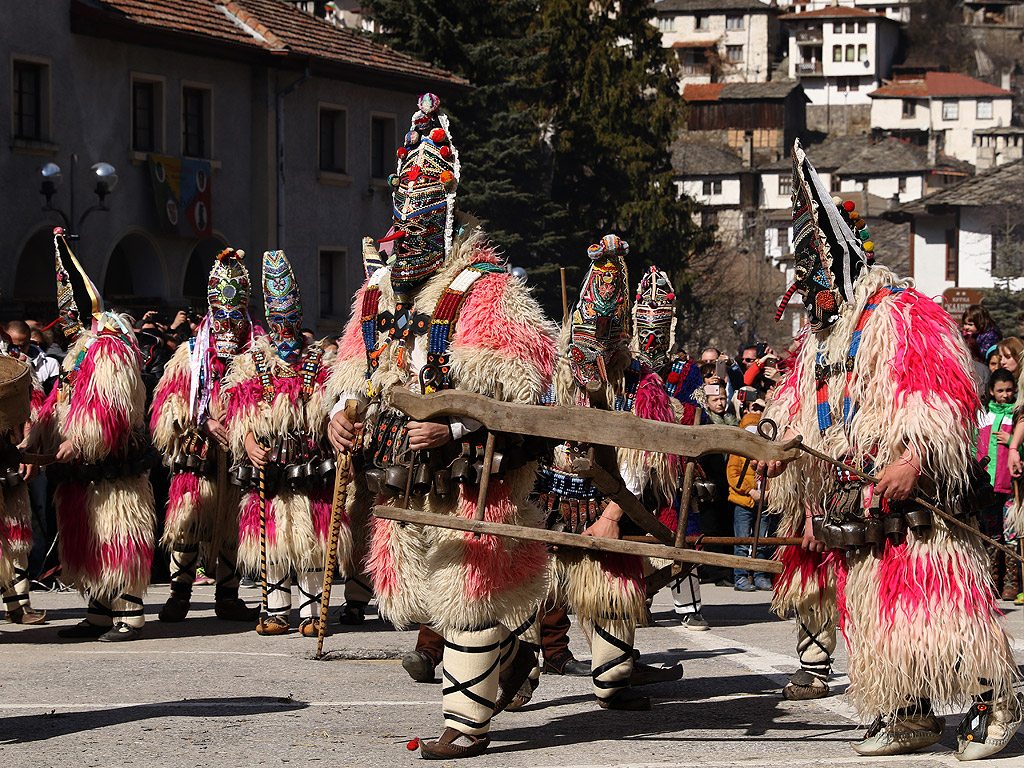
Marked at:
<point>693,6</point>
<point>888,156</point>
<point>938,84</point>
<point>692,158</point>
<point>272,26</point>
<point>836,12</point>
<point>739,91</point>
<point>1000,186</point>
<point>826,156</point>
<point>703,91</point>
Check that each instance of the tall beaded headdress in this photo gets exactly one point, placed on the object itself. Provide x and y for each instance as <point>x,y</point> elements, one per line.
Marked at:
<point>654,319</point>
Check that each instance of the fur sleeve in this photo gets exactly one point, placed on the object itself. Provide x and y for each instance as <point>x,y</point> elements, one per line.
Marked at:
<point>348,374</point>
<point>108,400</point>
<point>502,335</point>
<point>44,435</point>
<point>169,412</point>
<point>241,392</point>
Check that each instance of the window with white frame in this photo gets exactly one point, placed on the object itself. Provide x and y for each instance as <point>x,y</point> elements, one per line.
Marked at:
<point>734,53</point>
<point>712,187</point>
<point>862,52</point>
<point>984,109</point>
<point>734,21</point>
<point>849,52</point>
<point>862,27</point>
<point>950,110</point>
<point>785,184</point>
<point>837,53</point>
<point>702,22</point>
<point>667,23</point>
<point>908,108</point>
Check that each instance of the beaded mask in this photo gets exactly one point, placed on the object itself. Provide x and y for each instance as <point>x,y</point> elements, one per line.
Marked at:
<point>654,319</point>
<point>70,318</point>
<point>424,197</point>
<point>227,291</point>
<point>283,305</point>
<point>828,255</point>
<point>600,320</point>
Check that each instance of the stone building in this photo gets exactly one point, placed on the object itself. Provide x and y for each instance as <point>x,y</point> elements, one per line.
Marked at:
<point>247,123</point>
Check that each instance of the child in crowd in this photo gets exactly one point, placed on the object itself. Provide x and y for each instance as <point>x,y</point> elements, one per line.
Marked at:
<point>978,324</point>
<point>994,434</point>
<point>744,493</point>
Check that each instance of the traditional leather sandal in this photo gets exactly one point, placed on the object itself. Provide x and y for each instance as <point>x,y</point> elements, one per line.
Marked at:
<point>273,625</point>
<point>311,627</point>
<point>522,698</point>
<point>445,747</point>
<point>25,614</point>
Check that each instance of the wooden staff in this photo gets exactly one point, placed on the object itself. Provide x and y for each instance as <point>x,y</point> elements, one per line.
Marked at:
<point>565,297</point>
<point>261,486</point>
<point>579,541</point>
<point>768,541</point>
<point>341,473</point>
<point>221,503</point>
<point>485,480</point>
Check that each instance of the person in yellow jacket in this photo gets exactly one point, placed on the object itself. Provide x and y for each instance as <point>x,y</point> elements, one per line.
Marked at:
<point>745,493</point>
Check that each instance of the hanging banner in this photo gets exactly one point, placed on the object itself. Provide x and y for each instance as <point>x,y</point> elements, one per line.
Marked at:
<point>183,196</point>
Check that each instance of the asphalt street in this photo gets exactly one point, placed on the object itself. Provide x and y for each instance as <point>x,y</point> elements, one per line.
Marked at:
<point>211,693</point>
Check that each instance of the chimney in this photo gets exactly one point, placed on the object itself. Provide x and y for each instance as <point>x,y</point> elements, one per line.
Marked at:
<point>748,149</point>
<point>1004,80</point>
<point>894,202</point>
<point>933,149</point>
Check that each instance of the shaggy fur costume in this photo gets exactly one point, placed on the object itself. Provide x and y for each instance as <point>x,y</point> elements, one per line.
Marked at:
<point>15,507</point>
<point>298,523</point>
<point>192,516</point>
<point>106,527</point>
<point>919,617</point>
<point>449,578</point>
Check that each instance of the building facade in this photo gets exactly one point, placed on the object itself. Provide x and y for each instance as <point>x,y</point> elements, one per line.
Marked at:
<point>250,124</point>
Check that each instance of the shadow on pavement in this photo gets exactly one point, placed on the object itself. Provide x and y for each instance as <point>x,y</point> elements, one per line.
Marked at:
<point>24,729</point>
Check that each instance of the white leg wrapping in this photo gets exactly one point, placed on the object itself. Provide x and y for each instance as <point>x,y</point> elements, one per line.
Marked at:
<point>15,593</point>
<point>815,642</point>
<point>99,613</point>
<point>358,589</point>
<point>470,677</point>
<point>311,589</point>
<point>279,590</point>
<point>612,664</point>
<point>227,570</point>
<point>128,608</point>
<point>686,594</point>
<point>184,562</point>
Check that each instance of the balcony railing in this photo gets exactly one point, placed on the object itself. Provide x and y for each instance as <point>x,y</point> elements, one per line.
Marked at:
<point>808,68</point>
<point>695,69</point>
<point>808,36</point>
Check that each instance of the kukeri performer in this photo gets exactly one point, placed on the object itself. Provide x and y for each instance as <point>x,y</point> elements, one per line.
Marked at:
<point>275,417</point>
<point>94,421</point>
<point>444,313</point>
<point>15,505</point>
<point>187,424</point>
<point>883,382</point>
<point>653,345</point>
<point>607,591</point>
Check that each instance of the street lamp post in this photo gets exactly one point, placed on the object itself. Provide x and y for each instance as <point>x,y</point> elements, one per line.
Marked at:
<point>105,177</point>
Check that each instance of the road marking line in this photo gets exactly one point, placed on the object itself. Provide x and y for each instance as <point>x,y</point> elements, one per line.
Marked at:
<point>235,704</point>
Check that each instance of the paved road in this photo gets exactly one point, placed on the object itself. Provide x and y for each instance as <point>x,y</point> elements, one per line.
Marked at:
<point>208,693</point>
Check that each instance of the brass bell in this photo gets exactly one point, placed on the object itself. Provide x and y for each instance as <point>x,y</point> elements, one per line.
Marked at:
<point>854,534</point>
<point>442,482</point>
<point>919,519</point>
<point>421,479</point>
<point>818,527</point>
<point>833,536</point>
<point>326,466</point>
<point>894,525</point>
<point>462,472</point>
<point>375,480</point>
<point>394,480</point>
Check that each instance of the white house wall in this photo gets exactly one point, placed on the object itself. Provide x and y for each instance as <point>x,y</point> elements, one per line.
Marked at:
<point>730,194</point>
<point>930,253</point>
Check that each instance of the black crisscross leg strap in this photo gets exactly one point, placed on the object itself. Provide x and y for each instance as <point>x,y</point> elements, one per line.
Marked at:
<point>279,591</point>
<point>227,573</point>
<point>99,613</point>
<point>184,562</point>
<point>612,657</point>
<point>814,647</point>
<point>16,592</point>
<point>128,608</point>
<point>358,589</point>
<point>470,677</point>
<point>311,592</point>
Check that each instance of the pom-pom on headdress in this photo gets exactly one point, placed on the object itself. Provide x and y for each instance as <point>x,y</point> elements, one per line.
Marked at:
<point>599,325</point>
<point>829,255</point>
<point>283,305</point>
<point>423,199</point>
<point>654,319</point>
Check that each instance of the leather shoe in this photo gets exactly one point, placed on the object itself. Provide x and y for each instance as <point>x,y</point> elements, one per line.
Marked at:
<point>352,613</point>
<point>174,610</point>
<point>273,625</point>
<point>311,628</point>
<point>420,666</point>
<point>120,633</point>
<point>626,700</point>
<point>645,674</point>
<point>446,748</point>
<point>83,630</point>
<point>25,614</point>
<point>234,609</point>
<point>566,664</point>
<point>515,674</point>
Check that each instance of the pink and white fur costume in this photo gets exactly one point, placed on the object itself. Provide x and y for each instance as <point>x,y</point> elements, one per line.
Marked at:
<point>16,522</point>
<point>919,617</point>
<point>607,591</point>
<point>472,590</point>
<point>105,527</point>
<point>297,523</point>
